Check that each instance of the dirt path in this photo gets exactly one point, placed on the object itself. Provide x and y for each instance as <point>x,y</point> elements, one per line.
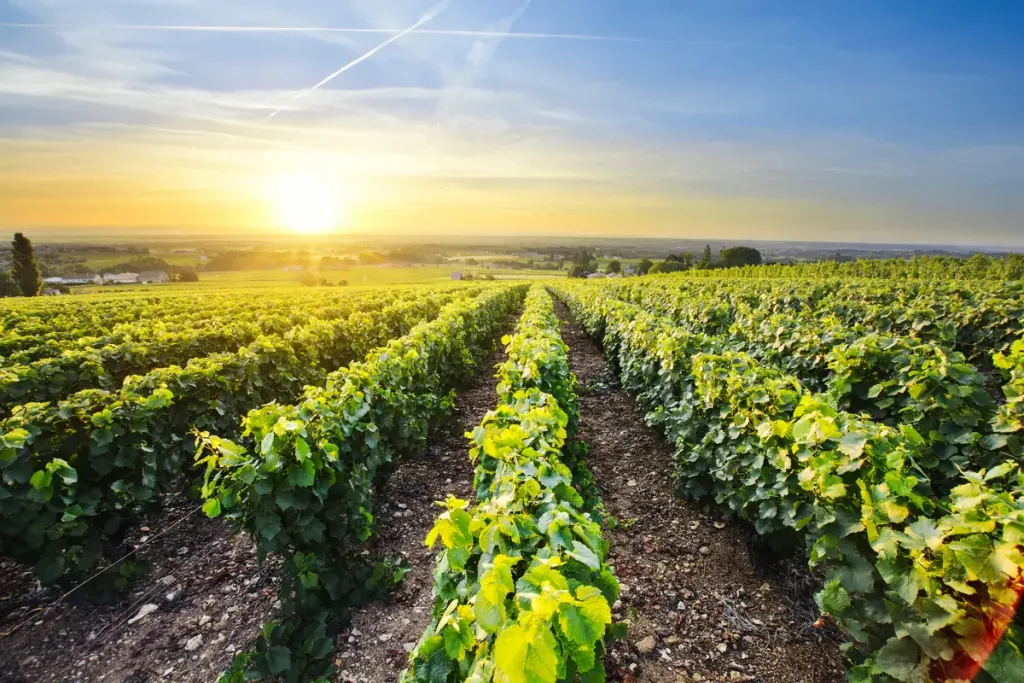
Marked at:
<point>376,648</point>
<point>699,610</point>
<point>207,593</point>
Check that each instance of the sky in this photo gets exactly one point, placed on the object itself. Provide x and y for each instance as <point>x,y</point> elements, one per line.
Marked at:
<point>867,120</point>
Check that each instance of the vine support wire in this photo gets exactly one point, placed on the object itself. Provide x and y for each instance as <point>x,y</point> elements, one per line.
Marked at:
<point>113,626</point>
<point>116,562</point>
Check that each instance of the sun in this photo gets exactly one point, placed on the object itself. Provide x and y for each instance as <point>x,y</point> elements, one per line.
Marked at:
<point>308,203</point>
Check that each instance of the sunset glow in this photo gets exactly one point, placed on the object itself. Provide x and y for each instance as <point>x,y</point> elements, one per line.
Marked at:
<point>308,204</point>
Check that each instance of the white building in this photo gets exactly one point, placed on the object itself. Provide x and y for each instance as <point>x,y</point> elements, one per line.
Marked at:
<point>594,276</point>
<point>456,274</point>
<point>53,280</point>
<point>157,276</point>
<point>83,280</point>
<point>121,278</point>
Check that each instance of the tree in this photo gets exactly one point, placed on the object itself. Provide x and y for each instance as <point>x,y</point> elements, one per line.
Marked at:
<point>740,256</point>
<point>26,270</point>
<point>686,259</point>
<point>667,266</point>
<point>8,285</point>
<point>188,275</point>
<point>613,267</point>
<point>582,257</point>
<point>644,266</point>
<point>582,263</point>
<point>706,261</point>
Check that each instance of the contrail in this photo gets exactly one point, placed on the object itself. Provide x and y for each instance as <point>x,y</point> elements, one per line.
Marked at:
<point>433,12</point>
<point>213,28</point>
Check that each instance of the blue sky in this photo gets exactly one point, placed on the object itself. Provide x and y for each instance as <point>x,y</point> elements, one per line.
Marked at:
<point>877,121</point>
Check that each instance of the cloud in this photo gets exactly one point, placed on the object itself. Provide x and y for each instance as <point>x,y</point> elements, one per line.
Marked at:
<point>313,30</point>
<point>429,16</point>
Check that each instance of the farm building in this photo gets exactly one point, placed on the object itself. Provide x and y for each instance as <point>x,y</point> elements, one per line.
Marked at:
<point>156,276</point>
<point>121,278</point>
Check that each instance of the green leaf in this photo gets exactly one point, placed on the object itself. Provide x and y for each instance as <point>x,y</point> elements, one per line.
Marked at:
<point>302,475</point>
<point>495,584</point>
<point>267,445</point>
<point>1000,471</point>
<point>912,436</point>
<point>584,554</point>
<point>301,449</point>
<point>577,626</point>
<point>852,445</point>
<point>527,656</point>
<point>268,525</point>
<point>40,480</point>
<point>212,507</point>
<point>279,659</point>
<point>901,660</point>
<point>436,669</point>
<point>924,533</point>
<point>903,579</point>
<point>992,442</point>
<point>833,598</point>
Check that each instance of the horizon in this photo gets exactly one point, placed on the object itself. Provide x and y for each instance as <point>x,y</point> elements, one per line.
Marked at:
<point>852,123</point>
<point>69,236</point>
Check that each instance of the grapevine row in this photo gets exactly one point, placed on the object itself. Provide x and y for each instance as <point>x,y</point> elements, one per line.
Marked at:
<point>301,479</point>
<point>522,587</point>
<point>894,379</point>
<point>106,367</point>
<point>975,319</point>
<point>273,313</point>
<point>924,585</point>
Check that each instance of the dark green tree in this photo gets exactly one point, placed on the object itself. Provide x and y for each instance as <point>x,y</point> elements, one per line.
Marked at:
<point>8,286</point>
<point>582,263</point>
<point>686,258</point>
<point>706,261</point>
<point>740,256</point>
<point>188,275</point>
<point>26,270</point>
<point>667,266</point>
<point>613,267</point>
<point>644,266</point>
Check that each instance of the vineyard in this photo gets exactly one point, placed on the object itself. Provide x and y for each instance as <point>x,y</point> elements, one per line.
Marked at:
<point>759,474</point>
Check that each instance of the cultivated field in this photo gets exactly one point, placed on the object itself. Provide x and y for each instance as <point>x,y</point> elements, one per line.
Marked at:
<point>774,475</point>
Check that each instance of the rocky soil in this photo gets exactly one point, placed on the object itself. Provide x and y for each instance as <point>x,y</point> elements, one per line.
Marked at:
<point>376,648</point>
<point>204,597</point>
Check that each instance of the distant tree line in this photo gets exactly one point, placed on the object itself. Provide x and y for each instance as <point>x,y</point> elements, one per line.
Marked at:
<point>584,263</point>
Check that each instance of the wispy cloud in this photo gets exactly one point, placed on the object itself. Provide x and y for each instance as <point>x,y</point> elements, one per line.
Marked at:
<point>430,15</point>
<point>463,33</point>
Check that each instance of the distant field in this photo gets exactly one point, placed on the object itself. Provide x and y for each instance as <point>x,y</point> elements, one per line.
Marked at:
<point>357,276</point>
<point>99,260</point>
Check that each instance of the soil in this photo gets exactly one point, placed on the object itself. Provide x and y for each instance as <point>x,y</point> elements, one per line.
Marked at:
<point>703,599</point>
<point>376,648</point>
<point>210,597</point>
